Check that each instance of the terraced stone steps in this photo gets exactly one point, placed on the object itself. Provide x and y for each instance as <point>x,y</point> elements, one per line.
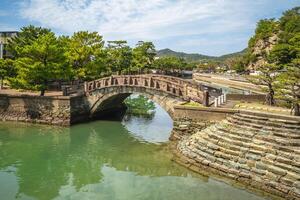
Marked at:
<point>267,122</point>
<point>252,148</point>
<point>278,132</point>
<point>285,121</point>
<point>263,136</point>
<point>261,127</point>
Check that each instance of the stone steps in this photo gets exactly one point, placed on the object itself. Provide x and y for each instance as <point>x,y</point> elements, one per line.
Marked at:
<point>272,119</point>
<point>243,138</point>
<point>254,147</point>
<point>261,127</point>
<point>266,122</point>
<point>277,133</point>
<point>273,132</point>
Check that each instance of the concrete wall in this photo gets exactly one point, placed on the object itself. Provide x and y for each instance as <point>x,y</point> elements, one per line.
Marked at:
<point>251,98</point>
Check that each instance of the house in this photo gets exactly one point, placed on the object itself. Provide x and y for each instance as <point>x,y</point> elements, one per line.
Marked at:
<point>5,36</point>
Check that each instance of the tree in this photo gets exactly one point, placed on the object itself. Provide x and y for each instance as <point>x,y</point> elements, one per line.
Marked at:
<point>6,70</point>
<point>288,87</point>
<point>119,56</point>
<point>26,36</point>
<point>170,65</point>
<point>83,49</point>
<point>289,24</point>
<point>267,77</point>
<point>38,63</point>
<point>143,56</point>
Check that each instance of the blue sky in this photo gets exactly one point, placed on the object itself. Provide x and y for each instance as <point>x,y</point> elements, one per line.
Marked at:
<point>212,27</point>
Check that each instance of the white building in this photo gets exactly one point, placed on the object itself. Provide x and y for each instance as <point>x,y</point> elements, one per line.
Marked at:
<point>5,36</point>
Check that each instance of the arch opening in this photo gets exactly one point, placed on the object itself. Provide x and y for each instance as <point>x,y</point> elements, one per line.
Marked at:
<point>114,104</point>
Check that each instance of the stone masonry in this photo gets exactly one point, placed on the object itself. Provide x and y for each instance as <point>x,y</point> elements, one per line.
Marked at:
<point>35,109</point>
<point>261,151</point>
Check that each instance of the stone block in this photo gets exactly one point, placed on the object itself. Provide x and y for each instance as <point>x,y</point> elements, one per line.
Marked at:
<point>261,165</point>
<point>277,170</point>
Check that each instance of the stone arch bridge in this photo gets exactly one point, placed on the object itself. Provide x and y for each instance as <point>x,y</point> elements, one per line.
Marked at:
<point>107,94</point>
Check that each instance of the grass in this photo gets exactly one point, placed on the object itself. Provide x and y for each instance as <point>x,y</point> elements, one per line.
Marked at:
<point>193,104</point>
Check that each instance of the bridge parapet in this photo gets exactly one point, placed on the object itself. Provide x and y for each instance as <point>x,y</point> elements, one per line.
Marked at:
<point>170,85</point>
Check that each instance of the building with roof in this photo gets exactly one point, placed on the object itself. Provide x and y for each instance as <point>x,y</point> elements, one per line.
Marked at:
<point>5,36</point>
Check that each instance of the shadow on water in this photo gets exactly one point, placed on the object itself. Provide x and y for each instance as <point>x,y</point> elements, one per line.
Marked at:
<point>100,160</point>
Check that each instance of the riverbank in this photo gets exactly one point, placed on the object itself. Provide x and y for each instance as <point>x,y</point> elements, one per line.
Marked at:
<point>255,149</point>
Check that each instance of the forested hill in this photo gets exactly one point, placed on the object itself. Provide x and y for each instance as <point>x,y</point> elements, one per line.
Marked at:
<point>195,56</point>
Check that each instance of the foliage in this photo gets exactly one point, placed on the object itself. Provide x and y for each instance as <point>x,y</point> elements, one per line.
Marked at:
<point>267,77</point>
<point>143,56</point>
<point>38,62</point>
<point>239,65</point>
<point>83,52</point>
<point>26,36</point>
<point>281,73</point>
<point>170,64</point>
<point>289,24</point>
<point>266,28</point>
<point>119,56</point>
<point>288,86</point>
<point>6,70</point>
<point>140,106</point>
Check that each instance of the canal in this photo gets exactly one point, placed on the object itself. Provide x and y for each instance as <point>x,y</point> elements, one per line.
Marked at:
<point>107,160</point>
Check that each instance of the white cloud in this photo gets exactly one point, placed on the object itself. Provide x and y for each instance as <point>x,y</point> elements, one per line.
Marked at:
<point>134,19</point>
<point>156,20</point>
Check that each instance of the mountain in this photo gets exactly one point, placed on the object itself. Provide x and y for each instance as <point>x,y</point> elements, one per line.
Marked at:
<point>195,56</point>
<point>233,55</point>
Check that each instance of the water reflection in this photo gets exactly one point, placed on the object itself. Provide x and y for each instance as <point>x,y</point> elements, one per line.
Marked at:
<point>99,160</point>
<point>156,129</point>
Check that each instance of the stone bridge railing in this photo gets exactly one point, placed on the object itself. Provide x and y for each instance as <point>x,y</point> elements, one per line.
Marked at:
<point>170,85</point>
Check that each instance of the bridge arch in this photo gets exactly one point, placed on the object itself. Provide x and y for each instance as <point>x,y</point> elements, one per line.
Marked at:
<point>111,99</point>
<point>108,93</point>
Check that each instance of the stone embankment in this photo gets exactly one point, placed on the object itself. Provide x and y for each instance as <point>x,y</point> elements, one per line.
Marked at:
<point>33,109</point>
<point>261,151</point>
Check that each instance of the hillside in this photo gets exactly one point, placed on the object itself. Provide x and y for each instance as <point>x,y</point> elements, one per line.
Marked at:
<point>232,55</point>
<point>195,56</point>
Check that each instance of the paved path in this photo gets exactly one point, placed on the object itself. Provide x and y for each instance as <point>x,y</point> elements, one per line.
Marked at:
<point>31,93</point>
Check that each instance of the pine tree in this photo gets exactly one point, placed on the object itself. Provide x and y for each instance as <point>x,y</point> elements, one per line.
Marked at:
<point>38,63</point>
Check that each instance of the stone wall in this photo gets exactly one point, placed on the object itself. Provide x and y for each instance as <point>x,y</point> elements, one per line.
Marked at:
<point>189,120</point>
<point>35,109</point>
<point>201,113</point>
<point>184,127</point>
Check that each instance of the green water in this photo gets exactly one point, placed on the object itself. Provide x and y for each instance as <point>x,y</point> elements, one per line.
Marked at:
<point>106,160</point>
